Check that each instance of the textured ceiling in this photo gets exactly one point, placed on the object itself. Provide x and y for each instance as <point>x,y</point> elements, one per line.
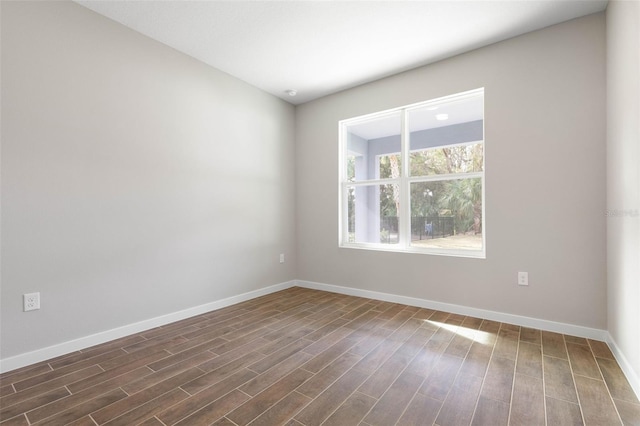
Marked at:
<point>321,47</point>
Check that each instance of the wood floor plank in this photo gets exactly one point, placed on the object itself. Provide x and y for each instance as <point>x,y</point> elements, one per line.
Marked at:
<point>558,380</point>
<point>329,400</point>
<point>507,343</point>
<point>133,369</point>
<point>472,323</point>
<point>629,412</point>
<point>277,357</point>
<point>441,338</point>
<point>277,372</point>
<point>511,327</point>
<point>15,421</point>
<point>88,421</point>
<point>326,357</point>
<point>460,404</point>
<point>241,344</point>
<point>499,379</point>
<point>190,353</point>
<point>131,358</point>
<point>375,338</point>
<point>600,349</point>
<point>575,340</point>
<point>149,409</point>
<point>141,398</point>
<point>9,411</point>
<point>268,397</point>
<point>553,345</point>
<point>41,379</point>
<point>149,380</point>
<point>381,379</point>
<point>616,381</point>
<point>283,410</point>
<point>291,336</point>
<point>25,373</point>
<point>582,361</point>
<point>327,341</point>
<point>563,413</point>
<point>212,377</point>
<point>421,410</point>
<point>527,406</point>
<point>215,410</point>
<point>403,328</point>
<point>390,406</point>
<point>153,421</point>
<point>377,356</point>
<point>160,341</point>
<point>459,346</point>
<point>393,310</point>
<point>62,404</point>
<point>531,335</point>
<point>205,340</point>
<point>204,397</point>
<point>425,360</point>
<point>95,354</point>
<point>490,412</point>
<point>50,385</point>
<point>455,319</point>
<point>6,390</point>
<point>529,360</point>
<point>439,316</point>
<point>477,360</point>
<point>252,346</point>
<point>352,411</point>
<point>440,381</point>
<point>323,379</point>
<point>83,410</point>
<point>597,406</point>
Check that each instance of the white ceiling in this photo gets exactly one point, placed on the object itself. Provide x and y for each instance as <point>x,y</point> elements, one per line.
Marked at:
<point>322,47</point>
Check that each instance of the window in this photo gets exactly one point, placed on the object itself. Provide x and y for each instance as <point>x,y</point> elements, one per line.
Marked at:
<point>412,178</point>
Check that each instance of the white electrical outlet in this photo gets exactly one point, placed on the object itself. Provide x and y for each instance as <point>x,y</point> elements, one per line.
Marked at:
<point>523,278</point>
<point>281,257</point>
<point>31,301</point>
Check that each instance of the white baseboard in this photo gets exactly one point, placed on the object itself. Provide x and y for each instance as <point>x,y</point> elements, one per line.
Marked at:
<point>558,327</point>
<point>629,372</point>
<point>49,352</point>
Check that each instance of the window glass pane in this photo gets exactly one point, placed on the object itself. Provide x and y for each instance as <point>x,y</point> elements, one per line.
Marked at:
<point>447,214</point>
<point>446,137</point>
<point>389,166</point>
<point>370,147</point>
<point>450,159</point>
<point>373,212</point>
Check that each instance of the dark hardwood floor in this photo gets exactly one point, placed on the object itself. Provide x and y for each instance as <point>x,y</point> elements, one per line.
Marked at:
<point>307,357</point>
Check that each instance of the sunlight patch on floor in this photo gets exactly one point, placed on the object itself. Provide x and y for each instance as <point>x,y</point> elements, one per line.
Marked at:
<point>479,336</point>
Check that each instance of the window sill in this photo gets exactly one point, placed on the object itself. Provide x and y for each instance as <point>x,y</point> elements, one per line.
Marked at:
<point>473,254</point>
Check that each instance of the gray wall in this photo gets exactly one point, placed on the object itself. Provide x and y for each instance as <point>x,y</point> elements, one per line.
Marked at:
<point>545,180</point>
<point>136,181</point>
<point>623,179</point>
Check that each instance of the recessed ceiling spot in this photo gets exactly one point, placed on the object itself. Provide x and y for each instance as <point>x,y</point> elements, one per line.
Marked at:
<point>291,92</point>
<point>442,117</point>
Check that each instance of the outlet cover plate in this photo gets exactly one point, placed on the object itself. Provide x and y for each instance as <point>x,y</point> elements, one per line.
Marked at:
<point>31,301</point>
<point>523,278</point>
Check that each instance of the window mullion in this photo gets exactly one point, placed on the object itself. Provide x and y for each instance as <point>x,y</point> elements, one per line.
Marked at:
<point>404,229</point>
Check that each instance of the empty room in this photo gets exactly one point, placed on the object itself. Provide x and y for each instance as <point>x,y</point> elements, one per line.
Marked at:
<point>320,212</point>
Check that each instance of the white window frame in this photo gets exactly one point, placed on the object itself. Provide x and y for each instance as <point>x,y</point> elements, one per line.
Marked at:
<point>404,183</point>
